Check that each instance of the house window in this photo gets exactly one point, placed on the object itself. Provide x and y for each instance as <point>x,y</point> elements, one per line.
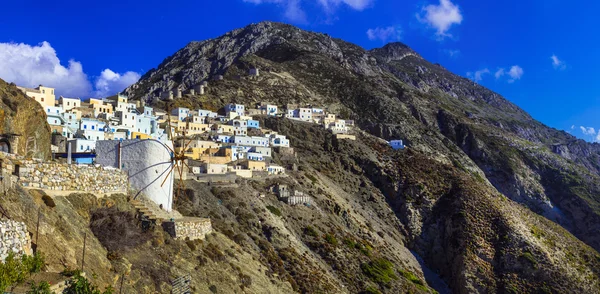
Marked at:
<point>42,99</point>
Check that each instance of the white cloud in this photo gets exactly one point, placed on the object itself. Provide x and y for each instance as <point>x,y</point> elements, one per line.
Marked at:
<point>499,73</point>
<point>598,137</point>
<point>294,12</point>
<point>588,130</point>
<point>110,82</point>
<point>384,34</point>
<point>359,5</point>
<point>441,17</point>
<point>30,66</point>
<point>452,53</point>
<point>572,127</point>
<point>478,75</point>
<point>557,63</point>
<point>515,73</point>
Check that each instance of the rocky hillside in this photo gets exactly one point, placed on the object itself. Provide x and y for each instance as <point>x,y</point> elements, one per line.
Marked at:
<point>24,117</point>
<point>485,199</point>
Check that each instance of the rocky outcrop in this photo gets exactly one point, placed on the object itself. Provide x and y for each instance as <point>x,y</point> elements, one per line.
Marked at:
<point>24,122</point>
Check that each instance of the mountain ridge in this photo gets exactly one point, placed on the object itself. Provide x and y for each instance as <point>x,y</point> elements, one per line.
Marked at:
<point>392,92</point>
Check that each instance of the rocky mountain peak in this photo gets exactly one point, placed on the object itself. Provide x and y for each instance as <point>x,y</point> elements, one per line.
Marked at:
<point>394,52</point>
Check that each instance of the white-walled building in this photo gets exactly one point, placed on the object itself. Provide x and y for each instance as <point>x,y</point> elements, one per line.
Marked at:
<point>276,140</point>
<point>146,161</point>
<point>181,112</point>
<point>82,145</point>
<point>250,141</point>
<point>69,103</point>
<point>269,109</point>
<point>239,109</point>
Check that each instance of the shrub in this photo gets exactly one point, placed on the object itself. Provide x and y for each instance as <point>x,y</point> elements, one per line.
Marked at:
<point>309,230</point>
<point>371,290</point>
<point>379,270</point>
<point>79,284</point>
<point>274,210</point>
<point>529,257</point>
<point>15,270</point>
<point>413,278</point>
<point>117,230</point>
<point>48,201</point>
<point>42,288</point>
<point>331,239</point>
<point>350,243</point>
<point>213,289</point>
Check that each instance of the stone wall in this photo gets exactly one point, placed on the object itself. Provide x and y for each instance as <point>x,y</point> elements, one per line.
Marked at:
<point>14,237</point>
<point>71,177</point>
<point>35,173</point>
<point>188,228</point>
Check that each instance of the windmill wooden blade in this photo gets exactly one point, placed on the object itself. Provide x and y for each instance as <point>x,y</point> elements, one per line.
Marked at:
<point>167,176</point>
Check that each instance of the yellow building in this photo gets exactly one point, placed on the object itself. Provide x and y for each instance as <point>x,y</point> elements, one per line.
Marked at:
<point>43,95</point>
<point>101,108</point>
<point>192,128</point>
<point>94,101</point>
<point>137,135</point>
<point>223,129</point>
<point>118,98</point>
<point>255,165</point>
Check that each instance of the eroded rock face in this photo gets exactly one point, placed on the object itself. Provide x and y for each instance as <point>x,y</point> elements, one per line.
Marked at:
<point>26,118</point>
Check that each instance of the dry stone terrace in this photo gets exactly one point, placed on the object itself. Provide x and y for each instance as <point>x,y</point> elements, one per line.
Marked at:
<point>13,238</point>
<point>34,173</point>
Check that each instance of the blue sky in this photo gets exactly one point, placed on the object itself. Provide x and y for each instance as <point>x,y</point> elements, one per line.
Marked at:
<point>92,48</point>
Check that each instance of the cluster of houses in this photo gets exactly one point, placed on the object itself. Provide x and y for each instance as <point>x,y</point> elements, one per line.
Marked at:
<point>83,123</point>
<point>231,141</point>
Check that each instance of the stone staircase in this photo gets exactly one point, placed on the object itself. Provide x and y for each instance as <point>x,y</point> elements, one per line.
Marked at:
<point>146,211</point>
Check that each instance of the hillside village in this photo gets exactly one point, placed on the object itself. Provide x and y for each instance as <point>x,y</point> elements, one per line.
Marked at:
<point>113,146</point>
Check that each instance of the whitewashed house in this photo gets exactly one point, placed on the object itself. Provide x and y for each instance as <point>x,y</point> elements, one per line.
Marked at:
<point>250,141</point>
<point>305,114</point>
<point>69,103</point>
<point>275,170</point>
<point>239,109</point>
<point>82,145</point>
<point>277,140</point>
<point>269,109</point>
<point>181,113</point>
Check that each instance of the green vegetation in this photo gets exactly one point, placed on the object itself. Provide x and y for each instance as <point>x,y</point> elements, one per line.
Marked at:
<point>79,284</point>
<point>274,210</point>
<point>331,239</point>
<point>15,270</point>
<point>42,288</point>
<point>371,290</point>
<point>537,232</point>
<point>413,278</point>
<point>309,230</point>
<point>379,270</point>
<point>529,257</point>
<point>311,178</point>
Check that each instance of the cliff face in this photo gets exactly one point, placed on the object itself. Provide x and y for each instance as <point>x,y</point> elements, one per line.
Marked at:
<point>26,119</point>
<point>487,196</point>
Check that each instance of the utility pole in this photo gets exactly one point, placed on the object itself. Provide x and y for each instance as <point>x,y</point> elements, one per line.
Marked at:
<point>37,231</point>
<point>122,281</point>
<point>83,257</point>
